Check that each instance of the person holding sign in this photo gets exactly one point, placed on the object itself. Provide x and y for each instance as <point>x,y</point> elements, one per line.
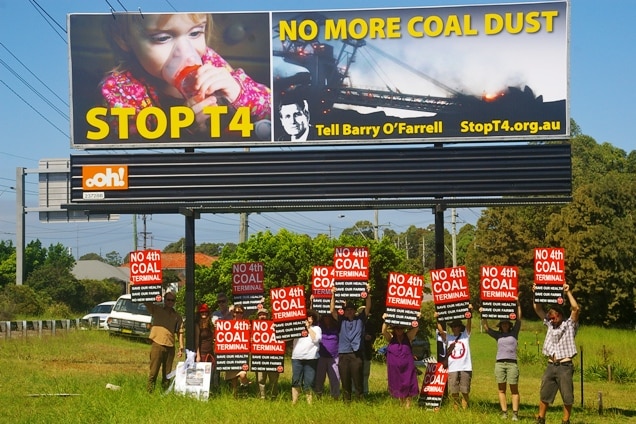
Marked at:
<point>328,359</point>
<point>224,308</point>
<point>559,347</point>
<point>460,367</point>
<point>350,344</point>
<point>204,335</point>
<point>237,376</point>
<point>400,366</point>
<point>165,323</point>
<point>305,358</point>
<point>506,367</point>
<point>164,62</point>
<point>263,376</point>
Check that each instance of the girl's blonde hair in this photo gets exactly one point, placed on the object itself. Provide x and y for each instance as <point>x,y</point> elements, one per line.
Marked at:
<point>120,28</point>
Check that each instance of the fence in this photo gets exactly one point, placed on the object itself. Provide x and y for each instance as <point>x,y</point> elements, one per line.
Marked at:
<point>11,329</point>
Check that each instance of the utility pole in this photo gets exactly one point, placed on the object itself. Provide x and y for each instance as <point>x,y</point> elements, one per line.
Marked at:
<point>243,225</point>
<point>135,235</point>
<point>406,242</point>
<point>423,252</point>
<point>144,233</point>
<point>20,226</point>
<point>454,234</point>
<point>243,228</point>
<point>376,225</point>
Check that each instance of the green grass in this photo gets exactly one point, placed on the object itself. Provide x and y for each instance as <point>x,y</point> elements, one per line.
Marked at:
<point>81,363</point>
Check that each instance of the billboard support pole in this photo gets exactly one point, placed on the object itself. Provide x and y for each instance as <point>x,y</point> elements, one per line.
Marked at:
<point>439,262</point>
<point>439,236</point>
<point>190,216</point>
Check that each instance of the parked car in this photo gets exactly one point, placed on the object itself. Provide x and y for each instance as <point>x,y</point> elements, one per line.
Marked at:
<point>129,319</point>
<point>97,316</point>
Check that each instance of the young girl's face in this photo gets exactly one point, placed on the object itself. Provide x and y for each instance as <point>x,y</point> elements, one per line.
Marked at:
<point>156,39</point>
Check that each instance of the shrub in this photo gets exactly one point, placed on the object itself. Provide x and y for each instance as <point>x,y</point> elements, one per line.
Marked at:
<point>58,310</point>
<point>620,373</point>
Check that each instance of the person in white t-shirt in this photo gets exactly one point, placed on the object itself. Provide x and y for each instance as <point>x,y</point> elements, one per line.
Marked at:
<point>460,367</point>
<point>305,354</point>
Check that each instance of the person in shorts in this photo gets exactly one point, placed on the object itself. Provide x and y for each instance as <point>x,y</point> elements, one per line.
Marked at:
<point>506,367</point>
<point>460,367</point>
<point>560,349</point>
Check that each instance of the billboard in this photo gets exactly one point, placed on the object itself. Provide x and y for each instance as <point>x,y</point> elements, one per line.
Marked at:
<point>367,76</point>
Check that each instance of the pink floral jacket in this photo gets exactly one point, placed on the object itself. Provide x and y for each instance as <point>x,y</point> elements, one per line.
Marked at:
<point>123,89</point>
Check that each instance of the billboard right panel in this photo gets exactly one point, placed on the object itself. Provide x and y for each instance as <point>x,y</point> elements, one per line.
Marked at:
<point>465,73</point>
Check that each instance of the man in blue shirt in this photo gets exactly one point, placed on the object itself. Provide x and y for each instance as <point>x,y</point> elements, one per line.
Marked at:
<point>351,344</point>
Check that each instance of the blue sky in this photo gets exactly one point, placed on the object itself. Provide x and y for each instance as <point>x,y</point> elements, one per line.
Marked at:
<point>34,54</point>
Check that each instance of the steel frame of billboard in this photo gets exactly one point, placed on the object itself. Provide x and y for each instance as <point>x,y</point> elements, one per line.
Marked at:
<point>266,181</point>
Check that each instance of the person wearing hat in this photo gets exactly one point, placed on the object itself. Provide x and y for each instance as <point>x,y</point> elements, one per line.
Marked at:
<point>400,366</point>
<point>506,367</point>
<point>350,344</point>
<point>204,335</point>
<point>559,347</point>
<point>460,367</point>
<point>263,376</point>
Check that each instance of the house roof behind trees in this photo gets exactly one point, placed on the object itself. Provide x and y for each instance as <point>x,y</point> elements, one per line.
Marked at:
<point>98,270</point>
<point>176,261</point>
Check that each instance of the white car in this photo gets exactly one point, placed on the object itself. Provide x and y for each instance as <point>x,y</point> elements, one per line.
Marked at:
<point>129,318</point>
<point>97,316</point>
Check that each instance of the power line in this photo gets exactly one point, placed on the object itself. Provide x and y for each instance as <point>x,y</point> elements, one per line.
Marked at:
<point>34,109</point>
<point>122,6</point>
<point>41,10</point>
<point>35,76</point>
<point>37,93</point>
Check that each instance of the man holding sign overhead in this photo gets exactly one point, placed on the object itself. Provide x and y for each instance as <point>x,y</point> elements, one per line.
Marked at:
<point>559,347</point>
<point>350,343</point>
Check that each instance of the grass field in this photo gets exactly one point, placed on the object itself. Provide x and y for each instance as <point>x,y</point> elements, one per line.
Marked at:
<point>62,379</point>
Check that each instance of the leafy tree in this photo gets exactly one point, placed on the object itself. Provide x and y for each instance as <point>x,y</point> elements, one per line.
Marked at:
<point>6,249</point>
<point>590,160</point>
<point>596,230</point>
<point>91,257</point>
<point>98,291</point>
<point>175,247</point>
<point>169,276</point>
<point>390,233</point>
<point>229,248</point>
<point>289,259</point>
<point>59,284</point>
<point>34,256</point>
<point>113,258</point>
<point>598,233</point>
<point>22,301</point>
<point>8,269</point>
<point>465,237</point>
<point>58,255</point>
<point>364,229</point>
<point>210,249</point>
<point>506,236</point>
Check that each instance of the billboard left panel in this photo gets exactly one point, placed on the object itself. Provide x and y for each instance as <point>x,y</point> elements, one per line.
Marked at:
<point>169,80</point>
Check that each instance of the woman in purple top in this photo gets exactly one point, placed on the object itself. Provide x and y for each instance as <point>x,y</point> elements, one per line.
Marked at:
<point>506,367</point>
<point>328,359</point>
<point>400,365</point>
